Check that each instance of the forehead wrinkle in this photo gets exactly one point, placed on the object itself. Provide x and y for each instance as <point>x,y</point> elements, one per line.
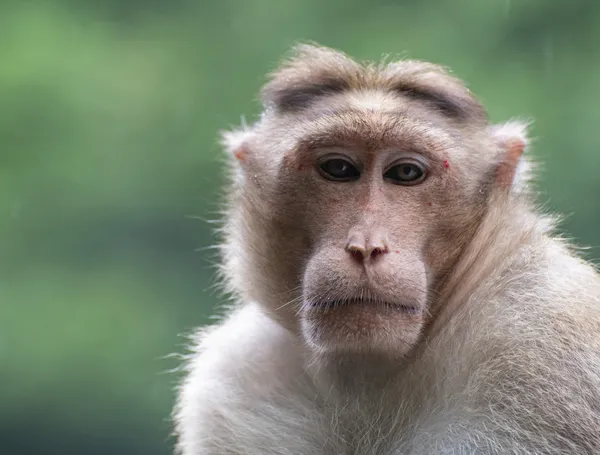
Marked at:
<point>371,131</point>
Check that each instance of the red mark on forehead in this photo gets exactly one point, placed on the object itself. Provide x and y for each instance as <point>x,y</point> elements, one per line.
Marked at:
<point>397,251</point>
<point>429,204</point>
<point>446,164</point>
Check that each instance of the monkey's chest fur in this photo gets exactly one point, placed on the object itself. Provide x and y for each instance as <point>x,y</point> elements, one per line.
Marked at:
<point>310,424</point>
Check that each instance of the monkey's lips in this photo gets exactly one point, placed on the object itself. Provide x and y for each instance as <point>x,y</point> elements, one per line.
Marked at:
<point>334,304</point>
<point>359,323</point>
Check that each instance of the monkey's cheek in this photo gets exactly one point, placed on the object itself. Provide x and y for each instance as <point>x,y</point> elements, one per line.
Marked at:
<point>362,328</point>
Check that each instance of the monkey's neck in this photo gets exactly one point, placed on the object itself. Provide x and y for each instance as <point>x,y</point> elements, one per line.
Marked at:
<point>508,226</point>
<point>363,377</point>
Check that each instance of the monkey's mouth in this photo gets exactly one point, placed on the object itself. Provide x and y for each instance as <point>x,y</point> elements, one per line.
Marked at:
<point>332,304</point>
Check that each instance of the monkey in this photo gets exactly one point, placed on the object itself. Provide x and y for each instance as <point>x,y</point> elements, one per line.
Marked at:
<point>397,288</point>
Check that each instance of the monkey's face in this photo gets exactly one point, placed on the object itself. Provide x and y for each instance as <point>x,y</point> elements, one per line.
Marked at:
<point>378,213</point>
<point>365,285</point>
<point>360,218</point>
<point>355,195</point>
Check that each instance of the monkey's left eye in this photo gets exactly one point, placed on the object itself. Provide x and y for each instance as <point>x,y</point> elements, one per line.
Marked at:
<point>339,170</point>
<point>405,174</point>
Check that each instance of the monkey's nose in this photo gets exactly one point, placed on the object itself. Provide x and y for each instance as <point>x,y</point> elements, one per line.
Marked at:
<point>363,247</point>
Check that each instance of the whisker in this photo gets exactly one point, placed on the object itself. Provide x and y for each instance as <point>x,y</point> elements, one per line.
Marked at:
<point>290,302</point>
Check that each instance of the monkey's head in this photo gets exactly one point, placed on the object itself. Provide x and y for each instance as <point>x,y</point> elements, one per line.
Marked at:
<point>355,194</point>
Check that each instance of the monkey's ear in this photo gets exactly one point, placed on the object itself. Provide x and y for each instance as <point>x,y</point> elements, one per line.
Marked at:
<point>235,143</point>
<point>513,171</point>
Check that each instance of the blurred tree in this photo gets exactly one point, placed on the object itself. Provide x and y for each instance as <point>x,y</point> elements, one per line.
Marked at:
<point>109,113</point>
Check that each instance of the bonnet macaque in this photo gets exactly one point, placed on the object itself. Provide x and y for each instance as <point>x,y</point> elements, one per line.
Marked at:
<point>397,290</point>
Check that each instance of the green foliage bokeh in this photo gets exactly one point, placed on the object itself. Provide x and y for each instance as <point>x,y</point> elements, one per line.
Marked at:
<point>109,169</point>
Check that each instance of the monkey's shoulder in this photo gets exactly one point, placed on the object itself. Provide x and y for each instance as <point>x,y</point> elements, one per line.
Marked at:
<point>246,390</point>
<point>245,341</point>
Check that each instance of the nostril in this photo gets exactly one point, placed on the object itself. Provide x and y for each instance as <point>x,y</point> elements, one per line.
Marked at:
<point>377,252</point>
<point>356,254</point>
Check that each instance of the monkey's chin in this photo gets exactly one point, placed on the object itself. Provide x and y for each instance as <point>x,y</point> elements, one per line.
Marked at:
<point>362,326</point>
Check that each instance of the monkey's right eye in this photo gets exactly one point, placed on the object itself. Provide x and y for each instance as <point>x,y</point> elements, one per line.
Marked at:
<point>339,170</point>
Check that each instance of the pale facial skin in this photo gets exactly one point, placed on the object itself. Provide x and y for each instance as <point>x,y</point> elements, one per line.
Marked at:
<point>352,297</point>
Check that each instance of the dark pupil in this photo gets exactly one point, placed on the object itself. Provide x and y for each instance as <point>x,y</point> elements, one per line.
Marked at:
<point>338,168</point>
<point>407,172</point>
<point>404,173</point>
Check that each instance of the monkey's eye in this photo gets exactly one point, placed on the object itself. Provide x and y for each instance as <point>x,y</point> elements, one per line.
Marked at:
<point>405,174</point>
<point>339,170</point>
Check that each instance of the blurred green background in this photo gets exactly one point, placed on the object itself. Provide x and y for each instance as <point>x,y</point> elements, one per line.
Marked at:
<point>109,169</point>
